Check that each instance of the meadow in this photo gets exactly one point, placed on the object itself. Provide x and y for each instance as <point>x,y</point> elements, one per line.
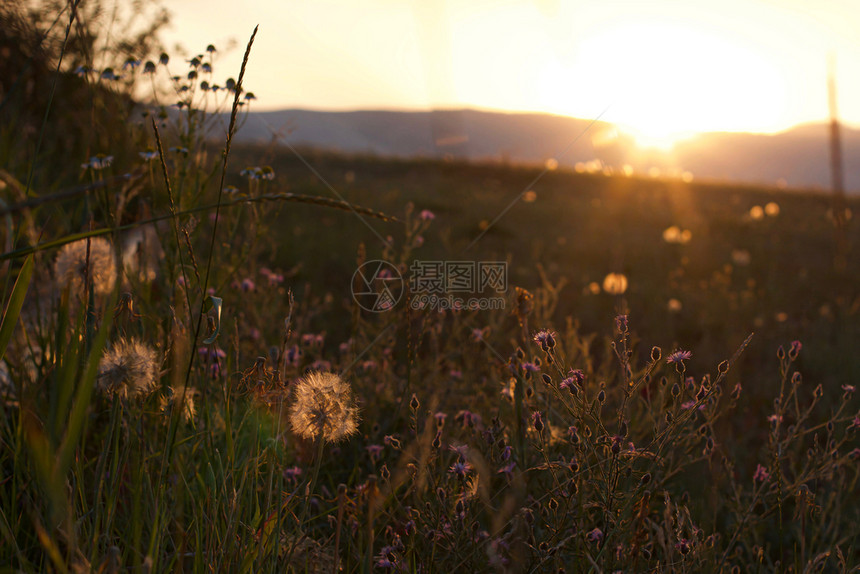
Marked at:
<point>192,380</point>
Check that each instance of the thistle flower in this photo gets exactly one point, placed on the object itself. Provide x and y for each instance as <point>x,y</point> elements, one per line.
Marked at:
<point>545,339</point>
<point>679,356</point>
<point>128,368</point>
<point>461,469</point>
<point>70,268</point>
<point>324,408</point>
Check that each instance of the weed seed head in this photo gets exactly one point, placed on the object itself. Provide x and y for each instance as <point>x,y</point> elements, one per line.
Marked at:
<point>324,408</point>
<point>128,368</point>
<point>71,268</point>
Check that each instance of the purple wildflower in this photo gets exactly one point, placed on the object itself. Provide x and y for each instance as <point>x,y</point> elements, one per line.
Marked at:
<point>461,469</point>
<point>679,356</point>
<point>293,473</point>
<point>374,450</point>
<point>531,368</point>
<point>761,474</point>
<point>508,470</point>
<point>545,339</point>
<point>796,346</point>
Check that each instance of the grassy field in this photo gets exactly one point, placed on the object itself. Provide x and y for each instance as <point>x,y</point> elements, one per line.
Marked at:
<point>735,275</point>
<point>191,380</point>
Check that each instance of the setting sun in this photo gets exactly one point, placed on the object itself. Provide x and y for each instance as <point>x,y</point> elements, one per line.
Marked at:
<point>663,81</point>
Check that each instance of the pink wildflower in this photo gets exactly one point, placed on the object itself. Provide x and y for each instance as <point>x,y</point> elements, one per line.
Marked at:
<point>679,356</point>
<point>761,474</point>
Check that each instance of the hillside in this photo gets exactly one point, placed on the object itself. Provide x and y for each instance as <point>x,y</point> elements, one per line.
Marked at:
<point>796,158</point>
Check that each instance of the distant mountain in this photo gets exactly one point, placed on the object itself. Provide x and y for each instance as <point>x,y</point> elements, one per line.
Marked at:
<point>798,157</point>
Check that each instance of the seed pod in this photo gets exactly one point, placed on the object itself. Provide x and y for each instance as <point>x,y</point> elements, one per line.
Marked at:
<point>538,421</point>
<point>656,353</point>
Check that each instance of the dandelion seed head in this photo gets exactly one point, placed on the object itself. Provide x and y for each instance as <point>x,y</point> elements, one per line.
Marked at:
<point>128,368</point>
<point>70,267</point>
<point>324,408</point>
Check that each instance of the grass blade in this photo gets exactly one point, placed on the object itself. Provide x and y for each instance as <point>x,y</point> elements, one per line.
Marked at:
<point>16,302</point>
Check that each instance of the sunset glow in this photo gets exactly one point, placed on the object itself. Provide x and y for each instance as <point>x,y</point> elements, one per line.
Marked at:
<point>661,71</point>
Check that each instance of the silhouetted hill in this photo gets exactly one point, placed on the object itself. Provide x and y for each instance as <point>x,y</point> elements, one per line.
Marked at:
<point>798,157</point>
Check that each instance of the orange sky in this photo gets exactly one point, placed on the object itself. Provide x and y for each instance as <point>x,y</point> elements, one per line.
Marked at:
<point>663,68</point>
